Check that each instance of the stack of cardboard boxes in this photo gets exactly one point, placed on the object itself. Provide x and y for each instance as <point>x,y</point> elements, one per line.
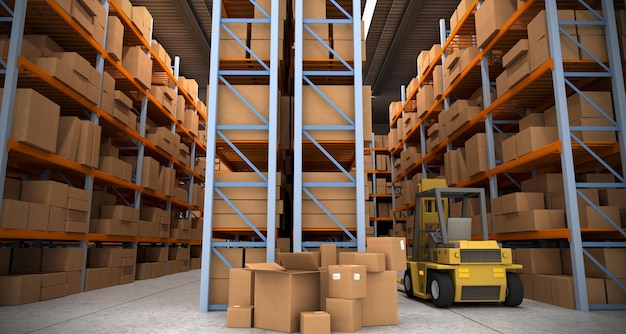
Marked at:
<point>547,275</point>
<point>154,222</point>
<point>109,267</point>
<point>90,14</point>
<point>524,211</point>
<point>39,274</point>
<point>44,206</point>
<point>111,163</point>
<point>178,260</point>
<point>311,290</point>
<point>151,262</point>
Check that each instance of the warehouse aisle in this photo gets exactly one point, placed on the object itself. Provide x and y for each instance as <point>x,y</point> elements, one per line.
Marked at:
<point>169,304</point>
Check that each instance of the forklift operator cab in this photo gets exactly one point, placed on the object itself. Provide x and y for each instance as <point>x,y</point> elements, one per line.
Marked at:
<point>446,265</point>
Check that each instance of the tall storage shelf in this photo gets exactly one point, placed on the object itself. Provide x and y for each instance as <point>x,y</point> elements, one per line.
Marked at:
<point>549,93</point>
<point>243,205</point>
<point>66,62</point>
<point>380,197</point>
<point>330,106</point>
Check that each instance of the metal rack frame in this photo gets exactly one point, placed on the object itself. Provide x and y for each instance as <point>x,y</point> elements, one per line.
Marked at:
<point>302,78</point>
<point>217,76</point>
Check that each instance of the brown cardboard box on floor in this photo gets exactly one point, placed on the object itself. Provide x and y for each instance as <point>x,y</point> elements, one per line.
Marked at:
<point>345,314</point>
<point>542,291</point>
<point>380,307</point>
<point>347,281</point>
<point>19,289</point>
<point>527,282</point>
<point>394,249</point>
<point>234,256</point>
<point>317,322</point>
<point>239,316</point>
<point>240,287</point>
<point>562,289</point>
<point>281,293</point>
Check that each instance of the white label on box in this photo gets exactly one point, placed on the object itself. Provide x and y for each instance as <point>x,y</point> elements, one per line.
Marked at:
<point>357,276</point>
<point>336,276</point>
<point>401,244</point>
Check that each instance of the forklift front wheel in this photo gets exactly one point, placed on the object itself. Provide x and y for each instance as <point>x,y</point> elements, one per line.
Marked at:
<point>442,290</point>
<point>514,290</point>
<point>408,283</point>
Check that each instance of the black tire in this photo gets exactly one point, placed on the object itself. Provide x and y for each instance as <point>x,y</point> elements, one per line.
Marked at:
<point>442,290</point>
<point>514,290</point>
<point>408,283</point>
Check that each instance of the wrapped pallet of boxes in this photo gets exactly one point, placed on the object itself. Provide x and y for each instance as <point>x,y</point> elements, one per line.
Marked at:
<point>317,111</point>
<point>339,201</point>
<point>252,201</point>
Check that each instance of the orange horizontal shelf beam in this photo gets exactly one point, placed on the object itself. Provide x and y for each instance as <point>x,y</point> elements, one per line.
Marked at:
<point>6,233</point>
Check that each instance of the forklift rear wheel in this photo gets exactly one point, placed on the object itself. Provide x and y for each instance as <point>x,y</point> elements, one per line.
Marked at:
<point>408,283</point>
<point>514,290</point>
<point>442,290</point>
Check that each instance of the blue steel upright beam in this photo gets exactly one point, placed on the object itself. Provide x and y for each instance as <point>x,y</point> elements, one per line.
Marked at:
<point>358,124</point>
<point>10,86</point>
<point>567,158</point>
<point>209,179</point>
<point>297,129</point>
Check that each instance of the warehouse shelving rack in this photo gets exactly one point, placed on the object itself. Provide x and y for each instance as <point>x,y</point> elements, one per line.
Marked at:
<point>340,156</point>
<point>376,196</point>
<point>259,156</point>
<point>549,84</point>
<point>26,160</point>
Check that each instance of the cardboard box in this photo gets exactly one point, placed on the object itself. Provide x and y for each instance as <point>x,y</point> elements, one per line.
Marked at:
<point>234,256</point>
<point>594,44</point>
<point>534,138</point>
<point>347,281</point>
<point>14,214</point>
<point>394,249</point>
<point>19,289</point>
<point>380,307</point>
<point>345,314</point>
<point>591,218</point>
<point>281,293</point>
<point>611,258</point>
<point>68,137</point>
<point>89,144</point>
<point>239,316</point>
<point>104,257</point>
<point>373,262</point>
<point>578,107</point>
<point>517,202</point>
<point>490,17</point>
<point>509,149</point>
<point>138,64</point>
<point>240,287</point>
<point>26,260</point>
<point>37,123</point>
<point>594,136</point>
<point>328,255</point>
<point>614,293</point>
<point>538,27</point>
<point>542,291</point>
<point>545,261</point>
<point>562,291</point>
<point>527,282</point>
<point>476,147</point>
<point>539,50</point>
<point>62,259</point>
<point>317,322</point>
<point>114,38</point>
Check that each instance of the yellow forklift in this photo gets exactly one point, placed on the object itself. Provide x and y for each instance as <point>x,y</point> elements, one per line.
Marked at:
<point>446,266</point>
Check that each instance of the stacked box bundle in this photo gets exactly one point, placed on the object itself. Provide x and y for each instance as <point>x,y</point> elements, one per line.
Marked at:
<point>178,260</point>
<point>39,274</point>
<point>151,262</point>
<point>524,211</point>
<point>251,201</point>
<point>45,206</point>
<point>109,267</point>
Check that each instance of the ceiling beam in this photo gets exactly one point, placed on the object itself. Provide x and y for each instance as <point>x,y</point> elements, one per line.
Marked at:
<point>191,22</point>
<point>399,41</point>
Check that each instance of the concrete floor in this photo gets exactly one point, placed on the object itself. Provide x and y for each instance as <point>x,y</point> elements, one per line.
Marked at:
<point>170,305</point>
